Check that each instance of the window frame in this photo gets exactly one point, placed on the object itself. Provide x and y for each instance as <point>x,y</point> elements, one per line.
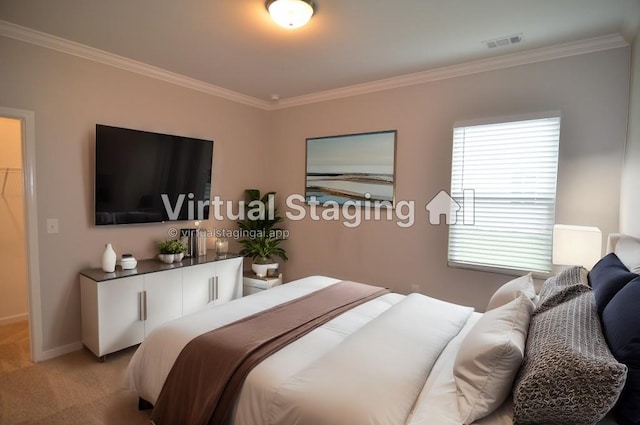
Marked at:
<point>504,120</point>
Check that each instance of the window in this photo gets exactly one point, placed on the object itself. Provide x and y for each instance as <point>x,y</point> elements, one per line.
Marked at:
<point>504,178</point>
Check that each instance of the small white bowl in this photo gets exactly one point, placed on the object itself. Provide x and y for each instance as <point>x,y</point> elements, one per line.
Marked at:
<point>128,263</point>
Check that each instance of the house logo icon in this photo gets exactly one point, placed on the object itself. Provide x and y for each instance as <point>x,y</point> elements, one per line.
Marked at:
<point>444,205</point>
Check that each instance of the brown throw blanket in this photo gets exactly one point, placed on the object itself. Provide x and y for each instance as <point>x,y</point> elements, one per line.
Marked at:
<point>207,376</point>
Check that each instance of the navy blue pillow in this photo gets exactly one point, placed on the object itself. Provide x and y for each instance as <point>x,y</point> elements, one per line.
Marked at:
<point>608,277</point>
<point>621,325</point>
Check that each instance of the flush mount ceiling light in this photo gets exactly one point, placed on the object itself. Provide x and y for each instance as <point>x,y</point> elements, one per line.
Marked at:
<point>291,13</point>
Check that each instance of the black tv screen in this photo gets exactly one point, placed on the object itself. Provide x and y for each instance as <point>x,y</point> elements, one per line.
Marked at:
<point>144,177</point>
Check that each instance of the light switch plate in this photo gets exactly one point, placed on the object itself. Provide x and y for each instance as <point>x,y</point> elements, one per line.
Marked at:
<point>52,226</point>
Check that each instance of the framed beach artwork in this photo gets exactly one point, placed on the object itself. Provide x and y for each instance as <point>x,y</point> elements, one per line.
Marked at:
<point>354,168</point>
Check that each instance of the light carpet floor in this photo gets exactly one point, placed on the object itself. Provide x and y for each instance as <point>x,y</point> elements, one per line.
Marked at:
<point>71,389</point>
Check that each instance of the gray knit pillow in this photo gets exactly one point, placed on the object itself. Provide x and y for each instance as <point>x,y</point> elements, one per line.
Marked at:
<point>554,290</point>
<point>569,376</point>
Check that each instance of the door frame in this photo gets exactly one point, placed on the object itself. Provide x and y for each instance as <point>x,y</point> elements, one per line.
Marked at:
<point>34,302</point>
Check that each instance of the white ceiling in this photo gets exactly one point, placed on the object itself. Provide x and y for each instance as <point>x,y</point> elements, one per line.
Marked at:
<point>233,44</point>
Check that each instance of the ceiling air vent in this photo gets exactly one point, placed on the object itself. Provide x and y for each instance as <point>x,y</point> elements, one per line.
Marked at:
<point>503,41</point>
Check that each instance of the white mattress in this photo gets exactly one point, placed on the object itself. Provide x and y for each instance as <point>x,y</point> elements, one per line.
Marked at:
<point>150,365</point>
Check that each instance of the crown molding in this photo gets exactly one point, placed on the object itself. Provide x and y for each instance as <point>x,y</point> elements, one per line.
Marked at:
<point>49,41</point>
<point>606,42</point>
<point>18,32</point>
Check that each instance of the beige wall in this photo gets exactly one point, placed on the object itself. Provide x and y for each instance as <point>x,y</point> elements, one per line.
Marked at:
<point>591,93</point>
<point>69,96</point>
<point>13,272</point>
<point>262,149</point>
<point>630,194</point>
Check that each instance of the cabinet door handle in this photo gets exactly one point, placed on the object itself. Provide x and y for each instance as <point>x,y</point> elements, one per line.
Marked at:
<point>144,297</point>
<point>140,306</point>
<point>210,290</point>
<point>215,287</point>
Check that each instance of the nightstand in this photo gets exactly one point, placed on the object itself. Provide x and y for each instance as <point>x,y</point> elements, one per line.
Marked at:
<point>252,283</point>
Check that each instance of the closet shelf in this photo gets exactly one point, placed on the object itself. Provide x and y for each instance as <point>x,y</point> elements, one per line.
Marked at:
<point>6,172</point>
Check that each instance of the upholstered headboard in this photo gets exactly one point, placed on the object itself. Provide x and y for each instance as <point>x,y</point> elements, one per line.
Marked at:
<point>612,241</point>
<point>627,248</point>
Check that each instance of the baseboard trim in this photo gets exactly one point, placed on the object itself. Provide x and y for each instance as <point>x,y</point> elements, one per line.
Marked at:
<point>60,351</point>
<point>13,319</point>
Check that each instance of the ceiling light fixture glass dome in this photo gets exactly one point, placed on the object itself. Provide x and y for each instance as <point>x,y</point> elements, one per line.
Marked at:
<point>291,13</point>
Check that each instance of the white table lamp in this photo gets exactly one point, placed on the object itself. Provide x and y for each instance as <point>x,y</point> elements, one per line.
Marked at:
<point>576,245</point>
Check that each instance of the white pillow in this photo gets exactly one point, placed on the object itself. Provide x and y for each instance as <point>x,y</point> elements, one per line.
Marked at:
<point>490,357</point>
<point>511,290</point>
<point>628,251</point>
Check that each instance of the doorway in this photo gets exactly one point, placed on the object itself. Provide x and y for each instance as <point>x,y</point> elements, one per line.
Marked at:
<point>20,314</point>
<point>14,325</point>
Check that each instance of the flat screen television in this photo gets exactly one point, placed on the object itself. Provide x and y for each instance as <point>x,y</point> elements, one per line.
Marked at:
<point>144,177</point>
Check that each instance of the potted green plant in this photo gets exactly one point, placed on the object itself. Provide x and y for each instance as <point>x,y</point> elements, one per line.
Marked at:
<point>171,250</point>
<point>261,237</point>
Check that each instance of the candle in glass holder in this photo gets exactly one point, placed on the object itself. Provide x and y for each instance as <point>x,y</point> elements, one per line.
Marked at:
<point>222,246</point>
<point>202,242</point>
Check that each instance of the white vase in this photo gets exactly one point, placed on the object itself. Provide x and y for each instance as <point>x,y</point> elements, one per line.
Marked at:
<point>109,259</point>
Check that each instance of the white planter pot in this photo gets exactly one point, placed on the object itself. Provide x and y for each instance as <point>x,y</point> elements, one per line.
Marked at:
<point>178,257</point>
<point>261,269</point>
<point>166,258</point>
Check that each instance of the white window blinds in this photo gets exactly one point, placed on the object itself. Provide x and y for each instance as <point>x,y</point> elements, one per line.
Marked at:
<point>504,178</point>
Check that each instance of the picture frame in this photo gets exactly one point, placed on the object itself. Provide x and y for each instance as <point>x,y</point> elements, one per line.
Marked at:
<point>354,169</point>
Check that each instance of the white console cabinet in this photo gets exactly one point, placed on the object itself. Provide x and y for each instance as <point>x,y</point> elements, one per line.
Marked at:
<point>119,309</point>
<point>161,298</point>
<point>209,283</point>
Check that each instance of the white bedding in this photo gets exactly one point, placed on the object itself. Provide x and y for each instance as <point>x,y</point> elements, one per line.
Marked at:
<point>437,403</point>
<point>277,384</point>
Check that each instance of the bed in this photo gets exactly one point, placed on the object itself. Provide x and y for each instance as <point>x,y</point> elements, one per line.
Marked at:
<point>384,361</point>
